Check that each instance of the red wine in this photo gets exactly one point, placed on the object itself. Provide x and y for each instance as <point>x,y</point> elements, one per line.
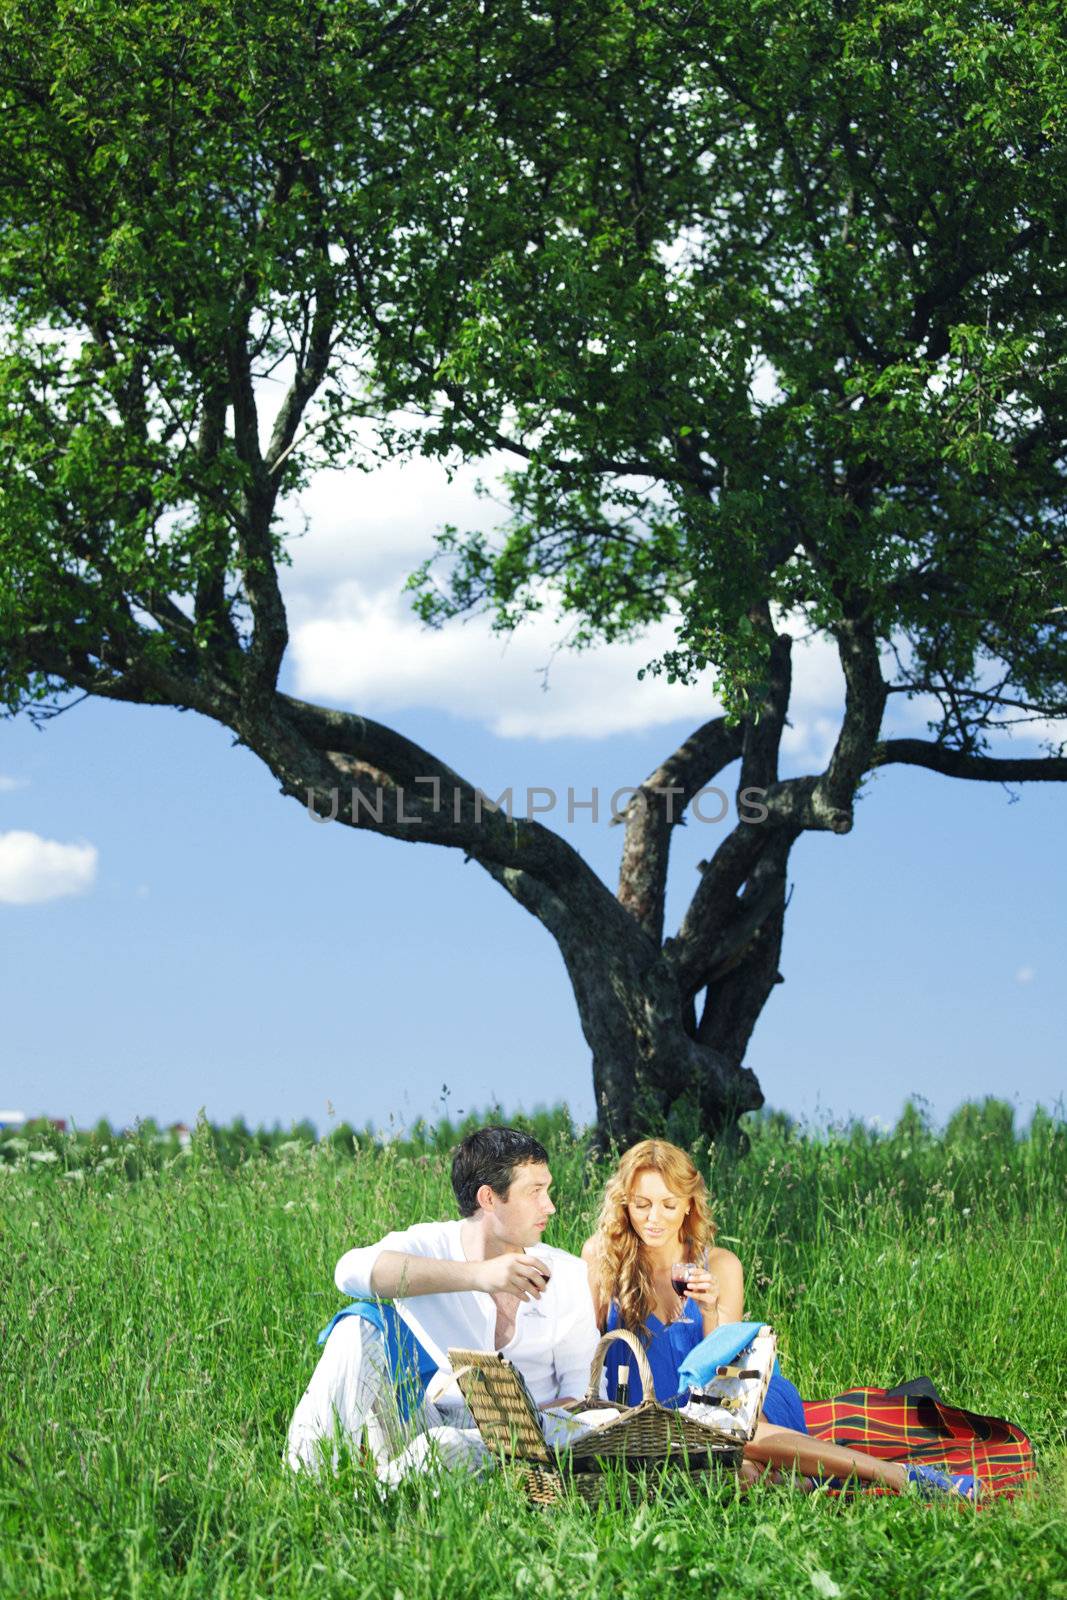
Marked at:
<point>679,1278</point>
<point>622,1393</point>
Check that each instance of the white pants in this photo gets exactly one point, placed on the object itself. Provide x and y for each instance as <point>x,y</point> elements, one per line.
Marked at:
<point>351,1390</point>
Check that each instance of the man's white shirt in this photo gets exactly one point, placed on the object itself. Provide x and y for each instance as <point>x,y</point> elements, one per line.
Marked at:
<point>554,1337</point>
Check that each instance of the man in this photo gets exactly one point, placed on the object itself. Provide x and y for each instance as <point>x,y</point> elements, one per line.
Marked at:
<point>484,1282</point>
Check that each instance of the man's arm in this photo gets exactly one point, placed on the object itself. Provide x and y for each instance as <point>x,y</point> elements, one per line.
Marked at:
<point>397,1275</point>
<point>390,1274</point>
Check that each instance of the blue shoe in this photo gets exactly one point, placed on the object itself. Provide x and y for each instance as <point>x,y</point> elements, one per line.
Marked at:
<point>929,1481</point>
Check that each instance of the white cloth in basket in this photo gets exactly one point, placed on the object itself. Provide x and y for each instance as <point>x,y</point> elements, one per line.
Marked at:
<point>564,1428</point>
<point>745,1395</point>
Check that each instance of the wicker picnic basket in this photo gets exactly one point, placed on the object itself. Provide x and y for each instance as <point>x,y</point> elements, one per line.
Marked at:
<point>644,1436</point>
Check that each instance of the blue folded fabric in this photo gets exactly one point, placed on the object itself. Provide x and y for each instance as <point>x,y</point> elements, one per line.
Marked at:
<point>411,1366</point>
<point>717,1350</point>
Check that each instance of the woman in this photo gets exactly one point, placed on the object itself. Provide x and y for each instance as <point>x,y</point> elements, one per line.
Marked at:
<point>655,1214</point>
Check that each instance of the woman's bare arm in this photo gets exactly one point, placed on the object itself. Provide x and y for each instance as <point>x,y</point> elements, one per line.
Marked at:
<point>718,1289</point>
<point>591,1257</point>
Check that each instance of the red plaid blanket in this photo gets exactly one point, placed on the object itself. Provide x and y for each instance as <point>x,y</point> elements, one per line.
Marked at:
<point>898,1426</point>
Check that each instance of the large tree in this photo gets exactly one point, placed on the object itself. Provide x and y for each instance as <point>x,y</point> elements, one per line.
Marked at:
<point>765,301</point>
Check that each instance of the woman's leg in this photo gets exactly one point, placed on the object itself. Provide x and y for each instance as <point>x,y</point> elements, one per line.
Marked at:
<point>782,1447</point>
<point>751,1472</point>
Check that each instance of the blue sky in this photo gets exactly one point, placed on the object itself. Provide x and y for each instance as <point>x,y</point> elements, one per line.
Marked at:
<point>221,950</point>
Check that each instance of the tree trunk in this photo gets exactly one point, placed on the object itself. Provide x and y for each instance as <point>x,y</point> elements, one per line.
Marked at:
<point>650,1076</point>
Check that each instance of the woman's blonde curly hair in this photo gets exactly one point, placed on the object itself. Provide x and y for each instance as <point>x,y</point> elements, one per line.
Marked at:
<point>624,1274</point>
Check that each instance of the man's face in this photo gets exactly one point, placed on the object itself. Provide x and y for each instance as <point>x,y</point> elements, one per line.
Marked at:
<point>521,1219</point>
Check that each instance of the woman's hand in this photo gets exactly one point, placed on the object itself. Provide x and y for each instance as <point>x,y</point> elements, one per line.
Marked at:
<point>703,1287</point>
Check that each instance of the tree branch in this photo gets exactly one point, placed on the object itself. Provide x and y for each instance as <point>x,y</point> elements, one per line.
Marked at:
<point>441,807</point>
<point>865,694</point>
<point>263,658</point>
<point>763,732</point>
<point>535,898</point>
<point>657,807</point>
<point>958,764</point>
<point>940,295</point>
<point>763,893</point>
<point>714,902</point>
<point>718,925</point>
<point>310,372</point>
<point>124,665</point>
<point>209,606</point>
<point>743,970</point>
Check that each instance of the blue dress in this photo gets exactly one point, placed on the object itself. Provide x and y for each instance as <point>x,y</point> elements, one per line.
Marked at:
<point>668,1345</point>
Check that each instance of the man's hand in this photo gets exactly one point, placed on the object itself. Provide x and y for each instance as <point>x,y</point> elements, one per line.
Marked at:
<point>523,1276</point>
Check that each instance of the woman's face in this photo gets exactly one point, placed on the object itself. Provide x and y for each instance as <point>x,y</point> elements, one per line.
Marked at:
<point>656,1213</point>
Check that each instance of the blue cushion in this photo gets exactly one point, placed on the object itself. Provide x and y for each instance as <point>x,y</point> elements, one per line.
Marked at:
<point>717,1350</point>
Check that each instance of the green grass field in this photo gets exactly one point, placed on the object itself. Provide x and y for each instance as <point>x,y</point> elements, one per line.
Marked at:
<point>158,1318</point>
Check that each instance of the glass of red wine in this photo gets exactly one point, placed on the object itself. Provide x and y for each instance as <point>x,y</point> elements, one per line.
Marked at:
<point>680,1277</point>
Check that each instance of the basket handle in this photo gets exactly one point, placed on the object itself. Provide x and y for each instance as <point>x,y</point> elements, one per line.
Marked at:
<point>596,1370</point>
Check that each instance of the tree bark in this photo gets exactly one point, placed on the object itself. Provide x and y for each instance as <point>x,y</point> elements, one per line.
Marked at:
<point>650,1076</point>
<point>740,984</point>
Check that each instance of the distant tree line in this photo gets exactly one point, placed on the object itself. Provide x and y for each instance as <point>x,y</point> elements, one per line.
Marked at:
<point>978,1132</point>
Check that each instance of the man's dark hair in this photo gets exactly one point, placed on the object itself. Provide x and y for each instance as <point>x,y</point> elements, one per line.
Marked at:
<point>490,1155</point>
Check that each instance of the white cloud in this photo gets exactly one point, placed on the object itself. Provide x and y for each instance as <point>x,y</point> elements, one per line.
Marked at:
<point>9,785</point>
<point>365,649</point>
<point>356,643</point>
<point>33,869</point>
<point>1025,975</point>
<point>378,526</point>
<point>1043,731</point>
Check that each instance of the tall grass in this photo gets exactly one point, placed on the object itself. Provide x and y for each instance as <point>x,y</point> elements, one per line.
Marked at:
<point>157,1321</point>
